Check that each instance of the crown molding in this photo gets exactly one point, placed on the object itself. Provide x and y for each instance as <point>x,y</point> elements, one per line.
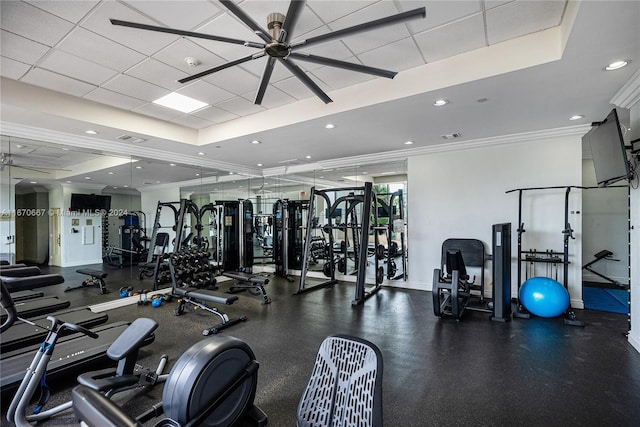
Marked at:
<point>629,93</point>
<point>115,147</point>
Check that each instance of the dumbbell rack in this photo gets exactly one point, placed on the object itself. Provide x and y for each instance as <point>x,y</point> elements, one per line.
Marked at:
<point>192,268</point>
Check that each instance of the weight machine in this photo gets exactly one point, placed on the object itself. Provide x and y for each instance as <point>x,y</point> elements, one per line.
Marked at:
<point>358,207</point>
<point>288,235</point>
<point>393,211</point>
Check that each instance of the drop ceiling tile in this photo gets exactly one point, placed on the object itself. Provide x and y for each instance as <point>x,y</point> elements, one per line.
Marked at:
<point>227,26</point>
<point>294,87</point>
<point>398,56</point>
<point>136,88</point>
<point>522,17</point>
<point>215,115</point>
<point>182,15</point>
<point>234,79</point>
<point>337,78</point>
<point>273,97</point>
<point>77,68</point>
<point>147,42</point>
<point>12,69</point>
<point>453,39</point>
<point>175,54</point>
<point>371,39</point>
<point>21,49</point>
<point>329,11</point>
<point>114,99</point>
<point>33,23</point>
<point>158,73</point>
<point>53,81</point>
<point>440,13</point>
<point>92,47</point>
<point>240,106</point>
<point>333,50</point>
<point>192,121</point>
<point>490,4</point>
<point>205,92</point>
<point>71,10</point>
<point>158,111</point>
<point>256,67</point>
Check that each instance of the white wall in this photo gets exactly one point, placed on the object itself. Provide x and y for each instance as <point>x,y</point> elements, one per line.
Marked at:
<point>462,193</point>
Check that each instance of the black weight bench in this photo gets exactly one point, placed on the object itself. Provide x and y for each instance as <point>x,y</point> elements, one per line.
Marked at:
<point>602,255</point>
<point>199,297</point>
<point>96,280</point>
<point>248,282</point>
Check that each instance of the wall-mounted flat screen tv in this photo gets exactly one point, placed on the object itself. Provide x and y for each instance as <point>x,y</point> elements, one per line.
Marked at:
<point>90,202</point>
<point>608,151</point>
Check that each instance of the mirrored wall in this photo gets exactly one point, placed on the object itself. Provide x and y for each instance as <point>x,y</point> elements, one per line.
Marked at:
<point>44,222</point>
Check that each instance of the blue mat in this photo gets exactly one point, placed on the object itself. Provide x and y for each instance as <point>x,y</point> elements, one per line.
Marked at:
<point>611,300</point>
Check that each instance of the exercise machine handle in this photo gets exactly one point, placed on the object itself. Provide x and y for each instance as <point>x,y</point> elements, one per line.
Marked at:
<point>73,327</point>
<point>7,304</point>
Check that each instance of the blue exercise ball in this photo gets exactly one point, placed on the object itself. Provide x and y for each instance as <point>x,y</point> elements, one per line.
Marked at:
<point>544,297</point>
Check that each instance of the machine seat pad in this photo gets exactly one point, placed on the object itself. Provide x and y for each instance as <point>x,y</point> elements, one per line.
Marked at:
<point>132,338</point>
<point>106,379</point>
<point>246,277</point>
<point>205,295</point>
<point>96,274</point>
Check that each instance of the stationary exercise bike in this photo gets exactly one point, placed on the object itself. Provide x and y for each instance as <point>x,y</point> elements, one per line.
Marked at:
<point>124,350</point>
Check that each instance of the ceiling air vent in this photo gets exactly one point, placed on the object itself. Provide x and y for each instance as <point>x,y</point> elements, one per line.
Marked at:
<point>451,135</point>
<point>129,138</point>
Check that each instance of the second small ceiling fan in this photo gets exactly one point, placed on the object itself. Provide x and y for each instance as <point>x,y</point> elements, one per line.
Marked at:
<point>277,45</point>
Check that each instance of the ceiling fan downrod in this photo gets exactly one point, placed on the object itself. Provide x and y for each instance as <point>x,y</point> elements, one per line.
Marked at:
<point>277,48</point>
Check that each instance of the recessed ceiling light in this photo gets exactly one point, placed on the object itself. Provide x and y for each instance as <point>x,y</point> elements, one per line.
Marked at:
<point>201,154</point>
<point>179,102</point>
<point>65,149</point>
<point>87,177</point>
<point>576,117</point>
<point>91,132</point>
<point>259,164</point>
<point>440,102</point>
<point>172,164</point>
<point>19,146</point>
<point>230,173</point>
<point>115,188</point>
<point>329,126</point>
<point>255,141</point>
<point>110,173</point>
<point>307,157</point>
<point>125,186</point>
<point>33,182</point>
<point>408,143</point>
<point>68,182</point>
<point>197,174</point>
<point>617,65</point>
<point>138,167</point>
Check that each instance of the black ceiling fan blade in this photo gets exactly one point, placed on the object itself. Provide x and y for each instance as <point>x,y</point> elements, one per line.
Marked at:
<point>184,33</point>
<point>266,76</point>
<point>239,13</point>
<point>291,18</point>
<point>222,67</point>
<point>377,23</point>
<point>343,64</point>
<point>297,71</point>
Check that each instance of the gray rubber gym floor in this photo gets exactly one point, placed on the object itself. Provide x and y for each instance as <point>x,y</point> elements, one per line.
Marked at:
<point>535,372</point>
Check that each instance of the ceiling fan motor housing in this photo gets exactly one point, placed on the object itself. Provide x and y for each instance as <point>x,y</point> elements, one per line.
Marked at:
<point>276,48</point>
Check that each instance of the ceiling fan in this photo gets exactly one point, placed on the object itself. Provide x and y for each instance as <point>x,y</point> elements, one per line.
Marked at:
<point>277,44</point>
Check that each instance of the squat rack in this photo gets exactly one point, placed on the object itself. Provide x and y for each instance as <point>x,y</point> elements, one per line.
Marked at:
<point>547,256</point>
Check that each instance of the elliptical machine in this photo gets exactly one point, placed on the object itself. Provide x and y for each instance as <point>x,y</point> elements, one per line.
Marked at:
<point>213,383</point>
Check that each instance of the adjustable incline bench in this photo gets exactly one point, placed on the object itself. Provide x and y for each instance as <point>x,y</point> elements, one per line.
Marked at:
<point>245,281</point>
<point>96,280</point>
